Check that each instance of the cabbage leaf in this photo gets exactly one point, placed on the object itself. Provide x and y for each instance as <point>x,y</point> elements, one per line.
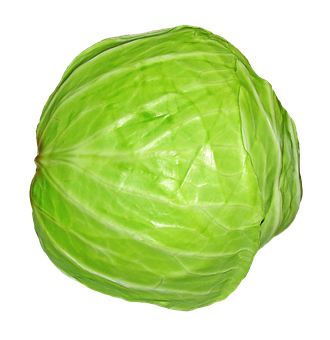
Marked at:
<point>164,163</point>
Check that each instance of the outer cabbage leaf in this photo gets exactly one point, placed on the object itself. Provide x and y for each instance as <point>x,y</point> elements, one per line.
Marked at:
<point>162,157</point>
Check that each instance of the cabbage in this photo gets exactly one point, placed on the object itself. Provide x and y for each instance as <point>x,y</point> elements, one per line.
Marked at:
<point>164,163</point>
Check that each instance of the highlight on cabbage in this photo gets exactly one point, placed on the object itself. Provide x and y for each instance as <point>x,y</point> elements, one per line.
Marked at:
<point>164,163</point>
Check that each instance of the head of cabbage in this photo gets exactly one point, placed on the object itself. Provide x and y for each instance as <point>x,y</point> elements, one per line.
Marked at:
<point>164,163</point>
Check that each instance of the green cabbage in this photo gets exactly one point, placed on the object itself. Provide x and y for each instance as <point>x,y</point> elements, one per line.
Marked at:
<point>164,163</point>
